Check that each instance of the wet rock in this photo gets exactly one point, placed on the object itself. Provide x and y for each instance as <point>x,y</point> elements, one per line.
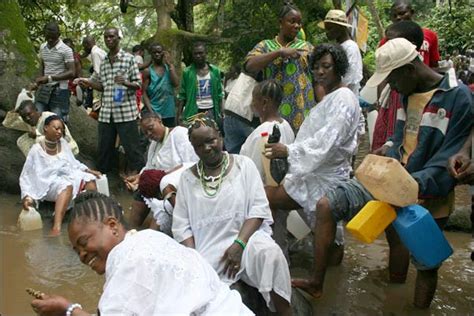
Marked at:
<point>460,220</point>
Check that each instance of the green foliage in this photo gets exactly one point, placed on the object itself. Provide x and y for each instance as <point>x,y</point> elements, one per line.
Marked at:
<point>455,26</point>
<point>15,35</point>
<point>78,18</point>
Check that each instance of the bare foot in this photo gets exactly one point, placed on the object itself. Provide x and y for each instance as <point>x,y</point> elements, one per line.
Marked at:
<point>309,286</point>
<point>54,232</point>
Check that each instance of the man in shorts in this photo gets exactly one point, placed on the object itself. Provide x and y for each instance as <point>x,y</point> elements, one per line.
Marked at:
<point>439,115</point>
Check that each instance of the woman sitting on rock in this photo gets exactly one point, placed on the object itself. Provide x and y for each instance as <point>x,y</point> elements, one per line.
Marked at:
<point>51,173</point>
<point>222,211</point>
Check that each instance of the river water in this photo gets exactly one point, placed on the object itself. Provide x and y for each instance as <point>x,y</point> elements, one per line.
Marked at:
<point>357,287</point>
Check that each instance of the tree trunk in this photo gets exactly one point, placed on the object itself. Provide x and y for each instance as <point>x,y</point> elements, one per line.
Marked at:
<point>375,16</point>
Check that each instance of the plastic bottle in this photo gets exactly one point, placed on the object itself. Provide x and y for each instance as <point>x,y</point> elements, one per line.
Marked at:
<point>296,225</point>
<point>278,166</point>
<point>371,221</point>
<point>29,219</point>
<point>266,162</point>
<point>387,180</point>
<point>421,235</point>
<point>119,92</point>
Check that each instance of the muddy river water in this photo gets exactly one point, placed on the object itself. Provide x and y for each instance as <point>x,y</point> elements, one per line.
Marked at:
<point>357,287</point>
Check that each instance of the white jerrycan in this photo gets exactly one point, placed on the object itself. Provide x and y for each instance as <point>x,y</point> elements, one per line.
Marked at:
<point>29,219</point>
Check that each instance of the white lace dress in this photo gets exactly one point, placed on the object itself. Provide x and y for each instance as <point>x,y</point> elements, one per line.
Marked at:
<point>215,223</point>
<point>149,273</point>
<point>44,176</point>
<point>320,156</point>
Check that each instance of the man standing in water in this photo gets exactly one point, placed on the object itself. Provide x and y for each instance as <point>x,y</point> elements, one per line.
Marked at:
<point>118,79</point>
<point>438,113</point>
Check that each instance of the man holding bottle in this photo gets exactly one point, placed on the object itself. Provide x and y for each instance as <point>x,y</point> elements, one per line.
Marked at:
<point>118,79</point>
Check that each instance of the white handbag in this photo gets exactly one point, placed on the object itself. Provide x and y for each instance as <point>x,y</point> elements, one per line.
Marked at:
<point>240,97</point>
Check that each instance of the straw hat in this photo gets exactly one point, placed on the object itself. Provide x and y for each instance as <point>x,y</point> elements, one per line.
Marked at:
<point>335,17</point>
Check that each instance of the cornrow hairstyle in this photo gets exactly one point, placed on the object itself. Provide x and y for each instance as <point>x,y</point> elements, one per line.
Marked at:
<point>407,29</point>
<point>92,206</point>
<point>149,182</point>
<point>149,115</point>
<point>271,89</point>
<point>341,64</point>
<point>287,7</point>
<point>25,104</point>
<point>198,120</point>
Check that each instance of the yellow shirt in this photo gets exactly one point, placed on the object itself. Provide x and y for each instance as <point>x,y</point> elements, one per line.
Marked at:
<point>416,104</point>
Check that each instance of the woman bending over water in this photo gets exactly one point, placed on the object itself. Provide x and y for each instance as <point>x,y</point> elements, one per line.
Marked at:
<point>146,272</point>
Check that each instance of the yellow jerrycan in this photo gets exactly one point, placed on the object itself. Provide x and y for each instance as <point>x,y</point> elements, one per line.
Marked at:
<point>371,221</point>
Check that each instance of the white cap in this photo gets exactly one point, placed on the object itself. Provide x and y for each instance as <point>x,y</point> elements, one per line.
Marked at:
<point>394,54</point>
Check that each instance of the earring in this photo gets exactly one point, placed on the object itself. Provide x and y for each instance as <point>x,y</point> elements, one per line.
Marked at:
<point>115,233</point>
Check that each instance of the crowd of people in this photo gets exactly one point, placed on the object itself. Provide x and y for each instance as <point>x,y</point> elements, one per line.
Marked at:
<point>208,176</point>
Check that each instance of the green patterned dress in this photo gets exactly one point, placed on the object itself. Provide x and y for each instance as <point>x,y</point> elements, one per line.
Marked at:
<point>295,77</point>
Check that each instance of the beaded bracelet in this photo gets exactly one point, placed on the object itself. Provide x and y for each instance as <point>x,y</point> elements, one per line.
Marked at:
<point>241,243</point>
<point>71,308</point>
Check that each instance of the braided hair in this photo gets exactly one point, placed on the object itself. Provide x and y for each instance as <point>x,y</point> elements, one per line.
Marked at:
<point>287,7</point>
<point>149,182</point>
<point>271,89</point>
<point>92,206</point>
<point>198,120</point>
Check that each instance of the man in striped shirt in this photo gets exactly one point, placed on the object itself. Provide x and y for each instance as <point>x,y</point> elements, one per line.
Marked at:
<point>118,79</point>
<point>57,67</point>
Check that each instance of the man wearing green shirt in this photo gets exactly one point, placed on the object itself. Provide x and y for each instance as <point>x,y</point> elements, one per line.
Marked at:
<point>201,87</point>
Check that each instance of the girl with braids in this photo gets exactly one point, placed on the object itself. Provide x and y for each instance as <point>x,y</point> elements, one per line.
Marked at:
<point>146,272</point>
<point>320,157</point>
<point>169,147</point>
<point>221,210</point>
<point>286,59</point>
<point>51,173</point>
<point>266,98</point>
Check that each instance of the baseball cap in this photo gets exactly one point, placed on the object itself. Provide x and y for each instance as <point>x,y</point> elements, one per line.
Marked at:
<point>394,54</point>
<point>335,17</point>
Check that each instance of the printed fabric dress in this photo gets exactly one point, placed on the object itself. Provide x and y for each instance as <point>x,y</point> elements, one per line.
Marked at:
<point>295,77</point>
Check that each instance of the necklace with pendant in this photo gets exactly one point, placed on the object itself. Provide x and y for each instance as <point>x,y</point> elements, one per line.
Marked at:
<point>212,184</point>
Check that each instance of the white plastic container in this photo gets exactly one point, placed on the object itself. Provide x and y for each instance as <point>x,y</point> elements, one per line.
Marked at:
<point>387,180</point>
<point>296,225</point>
<point>102,185</point>
<point>29,219</point>
<point>371,119</point>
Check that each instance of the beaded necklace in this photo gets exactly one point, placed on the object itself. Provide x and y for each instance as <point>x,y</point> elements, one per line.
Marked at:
<point>210,184</point>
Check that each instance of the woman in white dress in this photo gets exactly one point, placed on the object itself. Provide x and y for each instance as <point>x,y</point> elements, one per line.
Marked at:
<point>320,157</point>
<point>221,210</point>
<point>51,173</point>
<point>146,273</point>
<point>169,147</point>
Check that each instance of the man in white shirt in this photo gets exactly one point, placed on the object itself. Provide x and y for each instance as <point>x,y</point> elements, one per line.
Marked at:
<point>56,68</point>
<point>96,55</point>
<point>336,27</point>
